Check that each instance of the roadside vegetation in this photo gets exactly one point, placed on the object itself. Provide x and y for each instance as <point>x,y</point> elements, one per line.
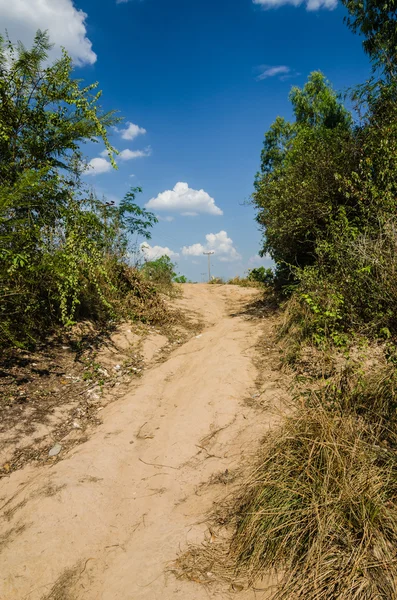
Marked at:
<point>65,254</point>
<point>319,506</point>
<point>71,268</point>
<point>259,277</point>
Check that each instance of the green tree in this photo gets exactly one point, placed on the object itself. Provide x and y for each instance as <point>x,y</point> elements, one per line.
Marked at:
<point>297,193</point>
<point>376,21</point>
<point>160,271</point>
<point>45,118</point>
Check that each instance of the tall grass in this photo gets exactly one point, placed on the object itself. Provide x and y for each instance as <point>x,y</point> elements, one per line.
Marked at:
<point>320,505</point>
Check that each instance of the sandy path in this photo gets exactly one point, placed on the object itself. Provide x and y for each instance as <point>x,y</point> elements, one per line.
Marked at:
<point>103,523</point>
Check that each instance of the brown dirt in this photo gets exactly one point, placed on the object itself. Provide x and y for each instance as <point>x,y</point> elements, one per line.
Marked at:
<point>107,522</point>
<point>54,394</point>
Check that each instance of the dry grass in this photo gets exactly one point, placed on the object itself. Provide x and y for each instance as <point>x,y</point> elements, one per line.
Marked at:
<point>64,585</point>
<point>320,505</point>
<point>317,514</point>
<point>245,282</point>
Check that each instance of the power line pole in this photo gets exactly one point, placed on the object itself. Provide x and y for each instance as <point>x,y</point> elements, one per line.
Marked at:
<point>209,262</point>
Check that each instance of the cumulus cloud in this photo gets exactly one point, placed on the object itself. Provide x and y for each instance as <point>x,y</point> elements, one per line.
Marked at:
<point>64,22</point>
<point>131,131</point>
<point>154,252</point>
<point>131,154</point>
<point>96,166</point>
<point>310,4</point>
<point>220,243</point>
<point>194,250</point>
<point>185,200</point>
<point>100,165</point>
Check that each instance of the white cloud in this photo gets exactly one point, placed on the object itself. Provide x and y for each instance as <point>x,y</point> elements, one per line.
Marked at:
<point>128,154</point>
<point>310,4</point>
<point>219,243</point>
<point>154,252</point>
<point>131,154</point>
<point>101,164</point>
<point>267,71</point>
<point>185,200</point>
<point>132,131</point>
<point>96,166</point>
<point>194,250</point>
<point>64,22</point>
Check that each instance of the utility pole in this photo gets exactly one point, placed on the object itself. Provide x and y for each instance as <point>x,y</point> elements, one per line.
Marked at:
<point>209,262</point>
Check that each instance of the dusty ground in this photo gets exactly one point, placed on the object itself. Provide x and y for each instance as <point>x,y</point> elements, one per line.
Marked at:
<point>54,395</point>
<point>107,521</point>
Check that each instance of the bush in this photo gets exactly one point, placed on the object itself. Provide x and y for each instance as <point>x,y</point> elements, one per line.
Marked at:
<point>351,288</point>
<point>64,253</point>
<point>160,271</point>
<point>180,279</point>
<point>261,275</point>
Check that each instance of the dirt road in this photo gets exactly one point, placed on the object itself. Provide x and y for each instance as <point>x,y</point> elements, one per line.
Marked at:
<point>104,523</point>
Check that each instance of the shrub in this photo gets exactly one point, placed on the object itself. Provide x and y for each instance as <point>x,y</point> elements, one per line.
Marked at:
<point>352,287</point>
<point>64,253</point>
<point>160,271</point>
<point>180,279</point>
<point>261,275</point>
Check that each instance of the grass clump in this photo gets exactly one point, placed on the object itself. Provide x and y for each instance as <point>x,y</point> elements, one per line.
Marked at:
<point>369,394</point>
<point>320,506</point>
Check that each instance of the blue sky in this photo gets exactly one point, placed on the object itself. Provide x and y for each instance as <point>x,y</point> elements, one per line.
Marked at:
<point>198,84</point>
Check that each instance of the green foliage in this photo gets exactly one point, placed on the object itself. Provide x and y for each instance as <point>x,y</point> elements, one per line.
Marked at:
<point>297,193</point>
<point>64,253</point>
<point>180,279</point>
<point>261,275</point>
<point>375,20</point>
<point>326,199</point>
<point>160,271</point>
<point>133,218</point>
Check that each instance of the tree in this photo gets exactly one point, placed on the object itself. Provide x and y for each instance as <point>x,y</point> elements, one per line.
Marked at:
<point>160,271</point>
<point>45,118</point>
<point>133,218</point>
<point>376,21</point>
<point>297,193</point>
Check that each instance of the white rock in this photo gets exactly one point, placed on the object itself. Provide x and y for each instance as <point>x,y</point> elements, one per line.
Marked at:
<point>55,450</point>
